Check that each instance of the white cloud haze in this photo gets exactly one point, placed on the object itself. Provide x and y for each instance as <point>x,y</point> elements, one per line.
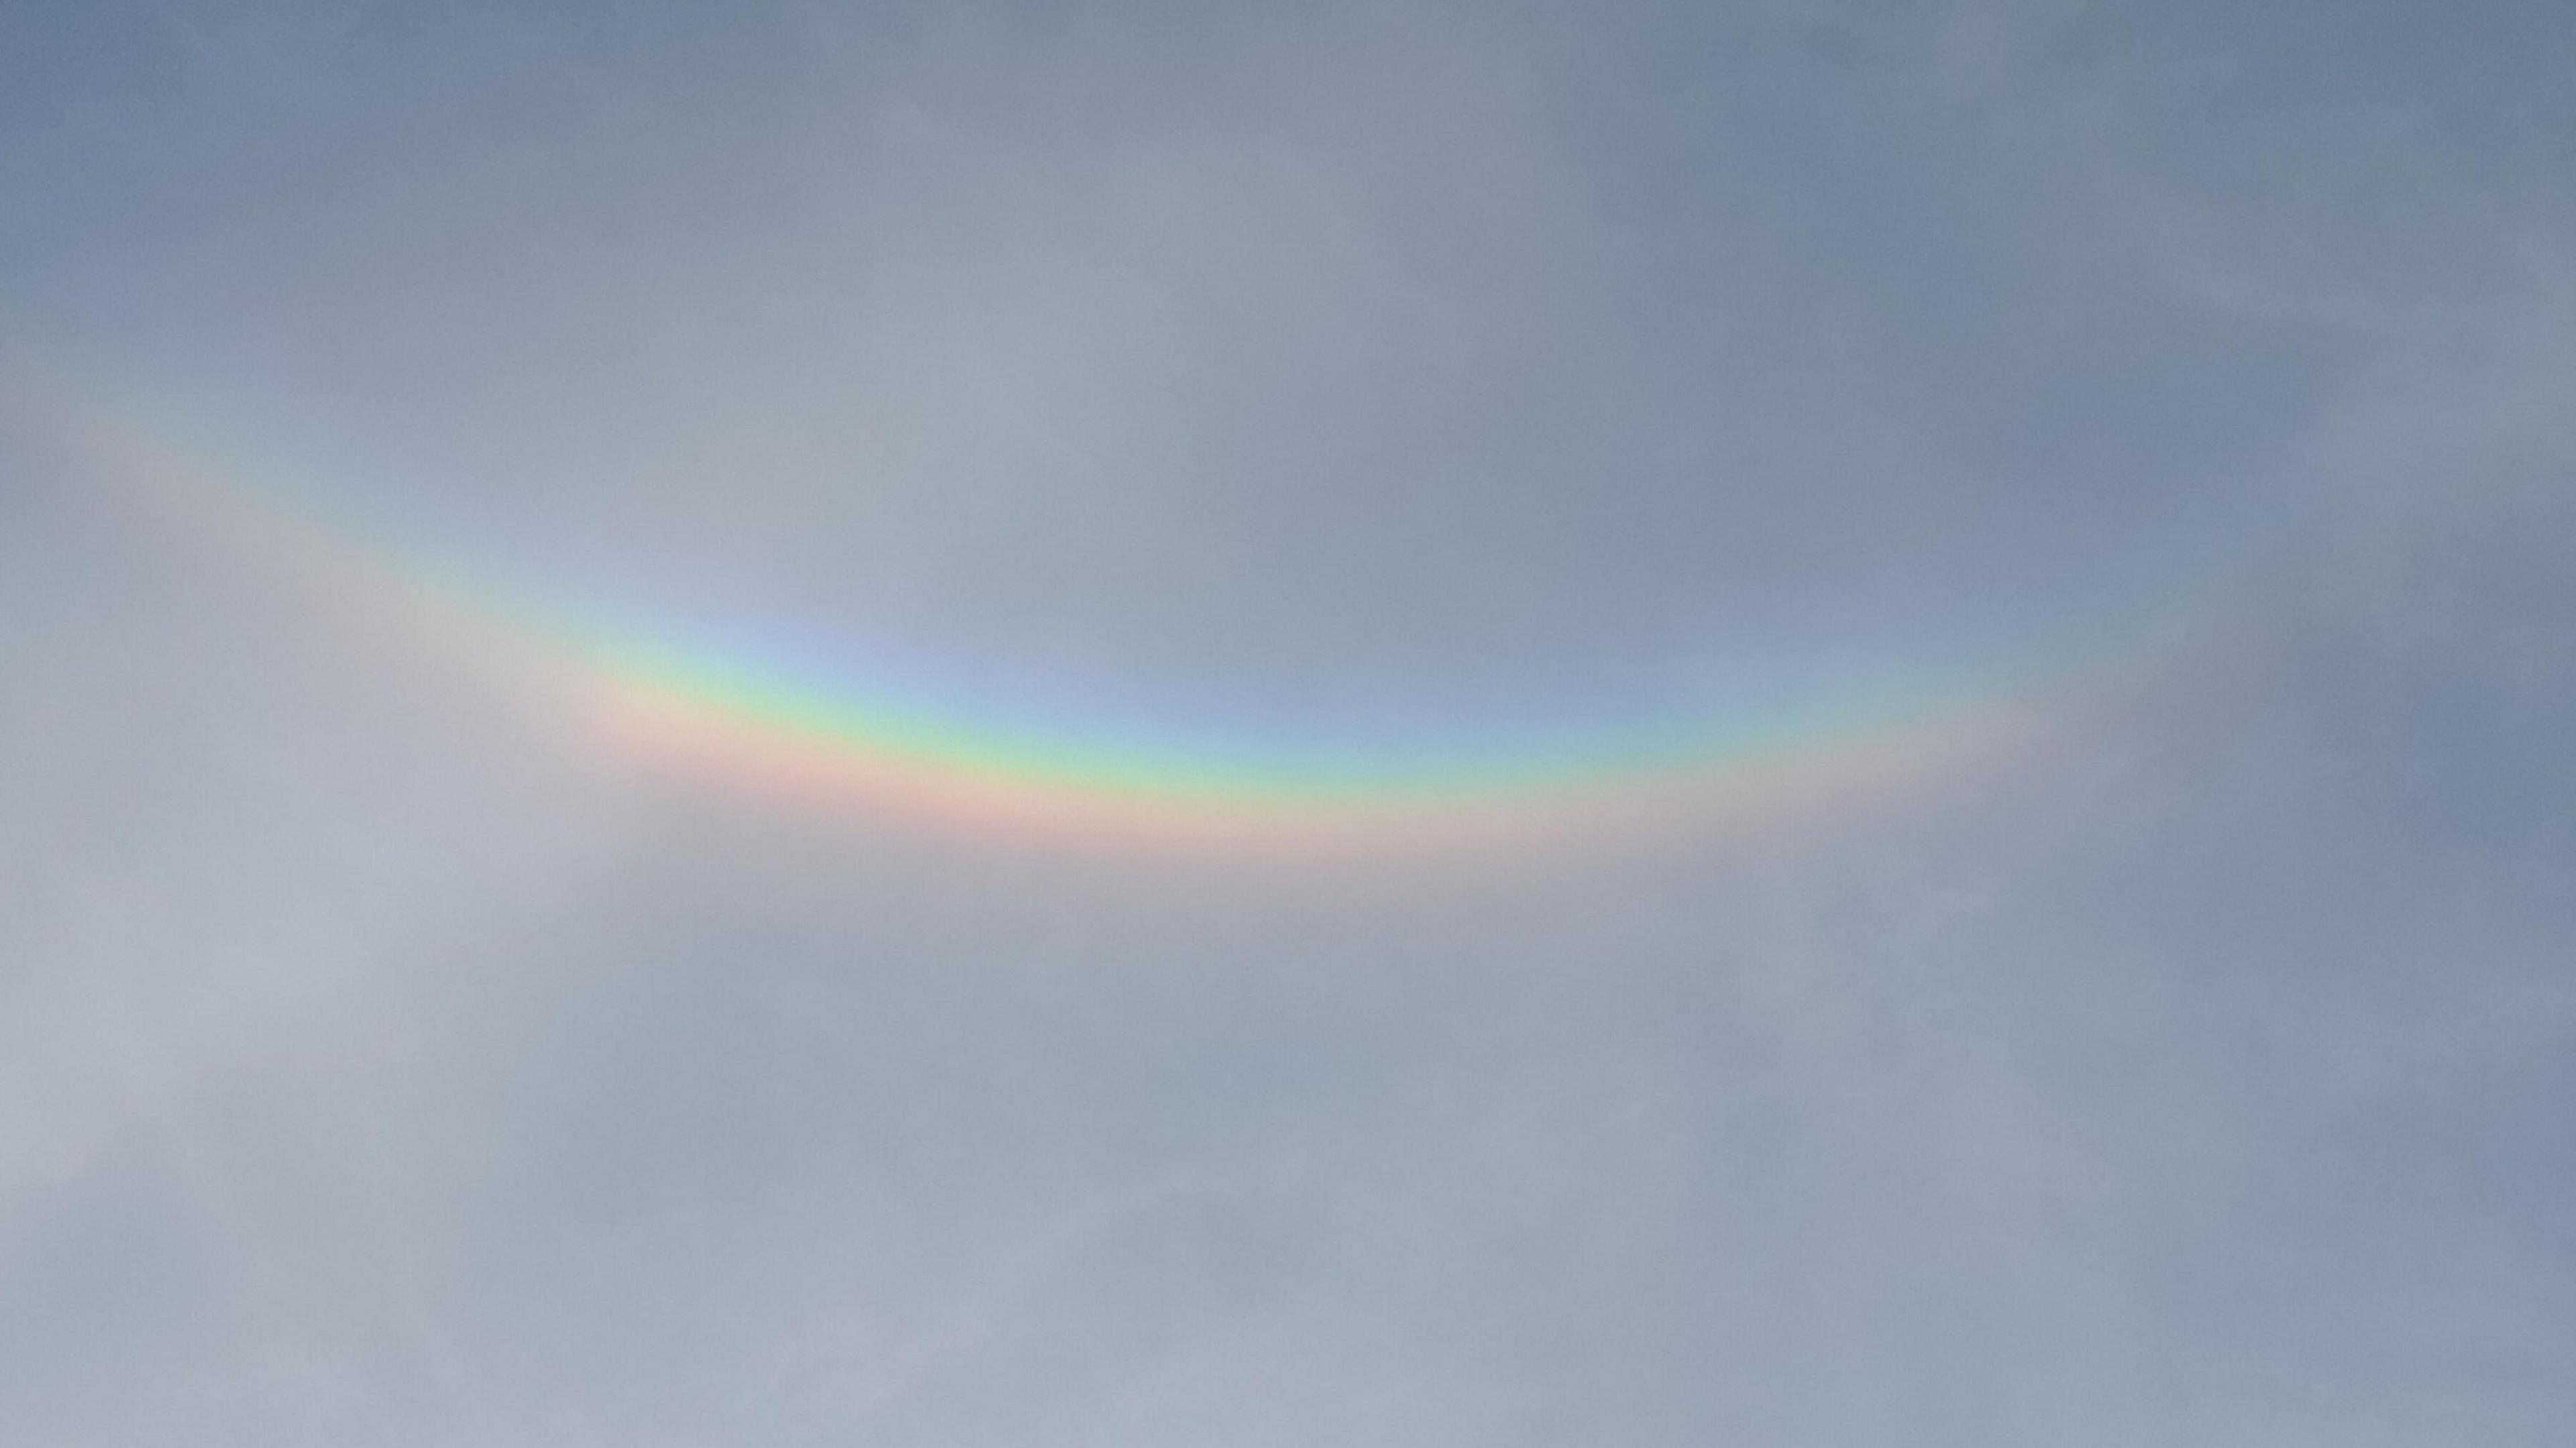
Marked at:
<point>383,1060</point>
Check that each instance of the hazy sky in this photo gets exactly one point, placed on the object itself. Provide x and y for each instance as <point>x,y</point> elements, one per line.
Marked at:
<point>2168,412</point>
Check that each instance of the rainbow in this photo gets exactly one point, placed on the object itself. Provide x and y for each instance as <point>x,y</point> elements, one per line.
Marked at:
<point>813,735</point>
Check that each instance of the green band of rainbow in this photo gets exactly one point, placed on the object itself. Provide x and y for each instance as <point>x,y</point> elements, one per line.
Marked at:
<point>820,737</point>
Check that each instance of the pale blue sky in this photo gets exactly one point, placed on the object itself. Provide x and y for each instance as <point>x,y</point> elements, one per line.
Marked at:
<point>381,1065</point>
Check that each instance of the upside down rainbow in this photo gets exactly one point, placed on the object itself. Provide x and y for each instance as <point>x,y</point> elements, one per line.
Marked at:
<point>813,735</point>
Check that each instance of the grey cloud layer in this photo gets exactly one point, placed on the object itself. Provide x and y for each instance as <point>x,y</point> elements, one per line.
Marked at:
<point>377,1067</point>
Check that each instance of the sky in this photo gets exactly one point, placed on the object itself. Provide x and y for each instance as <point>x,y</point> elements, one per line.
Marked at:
<point>1142,724</point>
